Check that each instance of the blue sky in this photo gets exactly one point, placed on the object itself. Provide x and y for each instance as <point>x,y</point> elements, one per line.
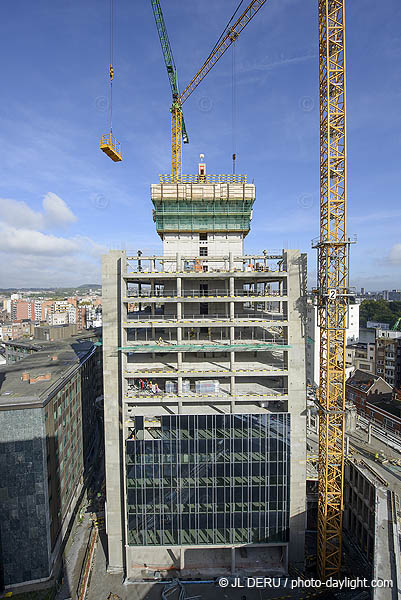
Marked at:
<point>63,202</point>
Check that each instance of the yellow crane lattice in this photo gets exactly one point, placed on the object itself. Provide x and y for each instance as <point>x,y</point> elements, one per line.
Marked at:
<point>333,285</point>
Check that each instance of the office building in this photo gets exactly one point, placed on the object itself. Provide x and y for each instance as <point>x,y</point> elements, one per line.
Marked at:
<point>48,435</point>
<point>205,392</point>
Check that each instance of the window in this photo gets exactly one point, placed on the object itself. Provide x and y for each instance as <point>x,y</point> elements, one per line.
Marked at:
<point>203,236</point>
<point>203,308</point>
<point>205,268</point>
<point>203,251</point>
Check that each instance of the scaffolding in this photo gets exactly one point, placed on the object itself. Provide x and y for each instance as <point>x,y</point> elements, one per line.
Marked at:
<point>217,207</point>
<point>204,178</point>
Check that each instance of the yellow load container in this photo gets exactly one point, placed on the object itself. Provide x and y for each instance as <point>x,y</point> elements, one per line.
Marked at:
<point>111,146</point>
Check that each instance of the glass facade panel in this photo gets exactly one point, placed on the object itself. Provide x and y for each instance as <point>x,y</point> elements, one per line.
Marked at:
<point>209,479</point>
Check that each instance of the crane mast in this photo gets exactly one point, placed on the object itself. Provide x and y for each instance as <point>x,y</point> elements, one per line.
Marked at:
<point>332,292</point>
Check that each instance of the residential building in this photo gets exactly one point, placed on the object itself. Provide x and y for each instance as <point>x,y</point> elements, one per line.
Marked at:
<point>375,400</point>
<point>58,318</point>
<point>48,434</point>
<point>38,311</point>
<point>362,388</point>
<point>313,338</point>
<point>11,331</point>
<point>94,316</point>
<point>22,309</point>
<point>46,307</point>
<point>81,316</point>
<point>205,393</point>
<point>388,359</point>
<point>361,355</point>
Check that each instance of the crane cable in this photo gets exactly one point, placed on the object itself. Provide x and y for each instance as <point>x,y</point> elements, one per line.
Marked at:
<point>225,29</point>
<point>233,79</point>
<point>111,68</point>
<point>234,106</point>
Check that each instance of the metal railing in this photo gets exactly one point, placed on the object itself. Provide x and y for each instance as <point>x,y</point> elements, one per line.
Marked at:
<point>193,178</point>
<point>211,269</point>
<point>211,316</point>
<point>108,139</point>
<point>199,294</point>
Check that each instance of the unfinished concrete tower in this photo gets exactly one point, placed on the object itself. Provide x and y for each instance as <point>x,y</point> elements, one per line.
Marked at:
<point>204,383</point>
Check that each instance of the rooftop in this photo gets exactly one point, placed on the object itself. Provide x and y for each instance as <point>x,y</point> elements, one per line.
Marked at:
<point>362,380</point>
<point>31,380</point>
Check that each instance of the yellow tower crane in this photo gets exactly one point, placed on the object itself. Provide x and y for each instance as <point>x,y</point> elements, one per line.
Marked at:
<point>224,43</point>
<point>332,292</point>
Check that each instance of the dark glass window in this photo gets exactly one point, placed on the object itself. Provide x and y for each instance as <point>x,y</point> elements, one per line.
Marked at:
<point>223,479</point>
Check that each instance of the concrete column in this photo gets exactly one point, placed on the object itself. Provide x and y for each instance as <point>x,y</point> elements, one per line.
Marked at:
<point>232,292</point>
<point>232,335</point>
<point>231,261</point>
<point>179,382</point>
<point>178,262</point>
<point>369,433</point>
<point>152,306</point>
<point>232,360</point>
<point>113,264</point>
<point>179,335</point>
<point>182,559</point>
<point>296,404</point>
<point>232,561</point>
<point>179,294</point>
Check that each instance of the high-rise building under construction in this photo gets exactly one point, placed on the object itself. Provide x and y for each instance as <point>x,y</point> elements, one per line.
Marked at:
<point>204,383</point>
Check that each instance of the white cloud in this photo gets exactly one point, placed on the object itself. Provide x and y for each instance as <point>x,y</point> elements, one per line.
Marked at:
<point>19,214</point>
<point>26,270</point>
<point>14,240</point>
<point>379,216</point>
<point>395,254</point>
<point>32,256</point>
<point>56,211</point>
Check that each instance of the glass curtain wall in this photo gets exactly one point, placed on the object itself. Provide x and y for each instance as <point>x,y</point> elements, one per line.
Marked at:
<point>209,479</point>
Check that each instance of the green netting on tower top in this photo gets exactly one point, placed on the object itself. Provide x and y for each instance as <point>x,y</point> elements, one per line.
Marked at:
<point>191,215</point>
